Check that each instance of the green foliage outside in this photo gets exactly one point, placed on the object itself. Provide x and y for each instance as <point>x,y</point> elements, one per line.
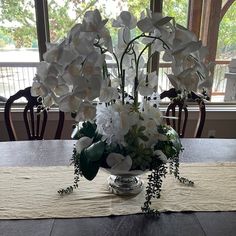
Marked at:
<point>177,9</point>
<point>17,20</point>
<point>227,35</point>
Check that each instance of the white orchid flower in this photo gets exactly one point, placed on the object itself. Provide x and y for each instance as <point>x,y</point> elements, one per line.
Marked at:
<point>125,19</point>
<point>42,70</point>
<point>119,162</point>
<point>75,32</point>
<point>187,80</point>
<point>93,64</point>
<point>73,72</point>
<point>88,88</point>
<point>67,55</point>
<point>93,24</point>
<point>83,143</point>
<point>61,89</point>
<point>208,74</point>
<point>92,21</point>
<point>54,51</point>
<point>182,34</point>
<point>86,111</point>
<point>105,38</point>
<point>68,103</point>
<point>146,88</point>
<point>83,46</point>
<point>152,21</point>
<point>107,93</point>
<point>123,38</point>
<point>38,89</point>
<point>51,81</point>
<point>145,25</point>
<point>48,101</point>
<point>181,51</point>
<point>47,74</point>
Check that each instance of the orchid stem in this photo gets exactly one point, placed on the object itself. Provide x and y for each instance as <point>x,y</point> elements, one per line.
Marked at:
<point>123,86</point>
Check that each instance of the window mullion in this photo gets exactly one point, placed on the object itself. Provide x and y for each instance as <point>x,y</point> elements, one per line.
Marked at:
<point>194,16</point>
<point>42,25</point>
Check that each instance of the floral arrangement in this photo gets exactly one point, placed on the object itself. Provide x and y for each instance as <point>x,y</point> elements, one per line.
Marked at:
<point>124,130</point>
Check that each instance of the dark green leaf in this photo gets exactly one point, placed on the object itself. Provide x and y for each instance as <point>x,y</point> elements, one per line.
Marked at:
<point>143,137</point>
<point>88,168</point>
<point>94,152</point>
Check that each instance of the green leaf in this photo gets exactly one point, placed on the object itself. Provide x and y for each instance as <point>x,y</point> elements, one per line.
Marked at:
<point>94,152</point>
<point>174,139</point>
<point>88,129</point>
<point>90,160</point>
<point>88,168</point>
<point>143,137</point>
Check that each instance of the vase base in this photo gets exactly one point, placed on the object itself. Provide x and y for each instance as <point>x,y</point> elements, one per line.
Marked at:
<point>124,185</point>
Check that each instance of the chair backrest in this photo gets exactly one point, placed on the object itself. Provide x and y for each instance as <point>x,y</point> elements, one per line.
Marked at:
<point>180,107</point>
<point>34,116</point>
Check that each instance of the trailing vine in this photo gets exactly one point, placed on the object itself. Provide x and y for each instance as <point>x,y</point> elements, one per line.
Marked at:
<point>77,175</point>
<point>153,189</point>
<point>155,179</point>
<point>182,180</point>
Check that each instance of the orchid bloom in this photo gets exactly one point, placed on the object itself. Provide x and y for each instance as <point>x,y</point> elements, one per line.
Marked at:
<point>147,85</point>
<point>75,74</point>
<point>86,111</point>
<point>119,162</point>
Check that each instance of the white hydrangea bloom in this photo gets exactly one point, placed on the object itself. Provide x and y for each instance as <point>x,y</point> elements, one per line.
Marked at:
<point>113,122</point>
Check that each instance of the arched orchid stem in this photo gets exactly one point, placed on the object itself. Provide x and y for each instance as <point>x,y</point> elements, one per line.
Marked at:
<point>117,63</point>
<point>136,82</point>
<point>121,71</point>
<point>123,86</point>
<point>127,49</point>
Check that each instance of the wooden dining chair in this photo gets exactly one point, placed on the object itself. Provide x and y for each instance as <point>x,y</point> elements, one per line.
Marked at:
<point>178,107</point>
<point>34,117</point>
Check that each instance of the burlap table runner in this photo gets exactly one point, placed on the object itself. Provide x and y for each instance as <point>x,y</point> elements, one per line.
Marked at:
<point>31,192</point>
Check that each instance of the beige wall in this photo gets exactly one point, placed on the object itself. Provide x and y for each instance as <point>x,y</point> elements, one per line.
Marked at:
<point>220,121</point>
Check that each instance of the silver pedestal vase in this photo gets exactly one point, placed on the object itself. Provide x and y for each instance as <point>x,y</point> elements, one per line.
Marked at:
<point>125,183</point>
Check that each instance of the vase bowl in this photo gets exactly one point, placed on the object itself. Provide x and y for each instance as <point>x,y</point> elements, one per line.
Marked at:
<point>125,183</point>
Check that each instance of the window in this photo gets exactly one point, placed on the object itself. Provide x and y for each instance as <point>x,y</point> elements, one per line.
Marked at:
<point>177,9</point>
<point>226,50</point>
<point>18,45</point>
<point>64,14</point>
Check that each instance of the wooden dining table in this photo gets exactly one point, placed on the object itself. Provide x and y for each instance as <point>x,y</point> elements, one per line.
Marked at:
<point>58,153</point>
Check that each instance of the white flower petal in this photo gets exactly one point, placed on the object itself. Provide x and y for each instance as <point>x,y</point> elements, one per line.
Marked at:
<point>51,81</point>
<point>86,111</point>
<point>107,94</point>
<point>145,90</point>
<point>145,25</point>
<point>83,143</point>
<point>69,103</point>
<point>38,89</point>
<point>42,70</point>
<point>48,101</point>
<point>118,162</point>
<point>61,89</point>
